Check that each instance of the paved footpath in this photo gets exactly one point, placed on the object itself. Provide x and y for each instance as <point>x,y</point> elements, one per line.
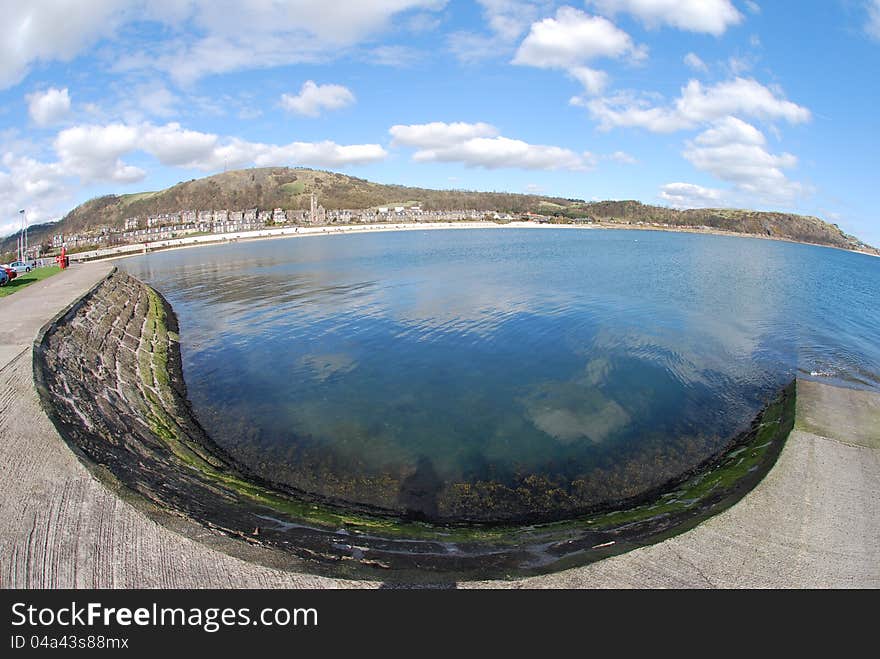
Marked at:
<point>813,521</point>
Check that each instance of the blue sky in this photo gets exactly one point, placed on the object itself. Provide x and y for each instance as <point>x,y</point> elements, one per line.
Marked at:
<point>768,105</point>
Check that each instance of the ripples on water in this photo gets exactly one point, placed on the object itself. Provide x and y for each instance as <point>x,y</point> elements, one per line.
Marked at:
<point>344,365</point>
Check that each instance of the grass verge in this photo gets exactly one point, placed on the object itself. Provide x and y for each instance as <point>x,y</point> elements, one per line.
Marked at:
<point>23,280</point>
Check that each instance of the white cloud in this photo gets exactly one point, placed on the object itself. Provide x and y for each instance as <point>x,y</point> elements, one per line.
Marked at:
<point>470,47</point>
<point>276,34</point>
<point>594,81</point>
<point>438,134</point>
<point>94,153</point>
<point>741,95</point>
<point>26,183</point>
<point>45,30</point>
<point>336,23</point>
<point>689,195</point>
<point>48,107</point>
<point>156,100</point>
<point>709,16</point>
<point>503,152</point>
<point>423,22</point>
<point>313,99</point>
<point>624,109</point>
<point>734,151</point>
<point>740,65</point>
<point>133,102</point>
<point>506,20</point>
<point>573,38</point>
<point>208,36</point>
<point>693,61</point>
<point>510,18</point>
<point>176,146</point>
<point>872,27</point>
<point>623,158</point>
<point>570,40</point>
<point>753,7</point>
<point>731,130</point>
<point>479,145</point>
<point>399,57</point>
<point>698,105</point>
<point>249,112</point>
<point>321,154</point>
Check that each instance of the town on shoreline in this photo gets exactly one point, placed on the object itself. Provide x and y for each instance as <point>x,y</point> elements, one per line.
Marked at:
<point>260,203</point>
<point>196,227</point>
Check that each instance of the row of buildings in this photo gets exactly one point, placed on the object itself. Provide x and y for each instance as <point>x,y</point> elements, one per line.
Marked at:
<point>166,226</point>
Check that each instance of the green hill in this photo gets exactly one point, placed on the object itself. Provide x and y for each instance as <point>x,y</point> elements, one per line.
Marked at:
<point>290,188</point>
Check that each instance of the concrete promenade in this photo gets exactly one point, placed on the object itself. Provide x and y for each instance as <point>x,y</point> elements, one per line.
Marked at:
<point>813,521</point>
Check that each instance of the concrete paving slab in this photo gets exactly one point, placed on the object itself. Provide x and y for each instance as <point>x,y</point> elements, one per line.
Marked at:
<point>27,310</point>
<point>848,415</point>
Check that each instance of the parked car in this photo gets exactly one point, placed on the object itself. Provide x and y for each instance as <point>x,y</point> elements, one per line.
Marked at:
<point>20,266</point>
<point>4,278</point>
<point>10,271</point>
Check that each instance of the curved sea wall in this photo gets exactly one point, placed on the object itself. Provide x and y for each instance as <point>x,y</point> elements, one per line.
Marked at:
<point>109,376</point>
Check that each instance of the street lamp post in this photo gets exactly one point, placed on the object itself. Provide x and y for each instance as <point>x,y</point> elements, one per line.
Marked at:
<point>22,241</point>
<point>24,215</point>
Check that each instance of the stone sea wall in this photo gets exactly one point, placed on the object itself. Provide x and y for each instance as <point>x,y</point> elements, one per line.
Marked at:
<point>109,376</point>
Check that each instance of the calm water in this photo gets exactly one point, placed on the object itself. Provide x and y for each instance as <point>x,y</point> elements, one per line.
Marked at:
<point>486,374</point>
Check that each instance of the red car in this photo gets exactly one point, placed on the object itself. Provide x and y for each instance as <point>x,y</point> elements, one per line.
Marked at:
<point>10,271</point>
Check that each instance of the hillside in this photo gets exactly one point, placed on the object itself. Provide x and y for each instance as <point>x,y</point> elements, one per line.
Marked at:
<point>286,188</point>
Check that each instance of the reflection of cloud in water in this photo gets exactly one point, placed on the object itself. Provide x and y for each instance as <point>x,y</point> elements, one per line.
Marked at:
<point>577,409</point>
<point>700,351</point>
<point>477,308</point>
<point>326,365</point>
<point>468,298</point>
<point>596,371</point>
<point>671,352</point>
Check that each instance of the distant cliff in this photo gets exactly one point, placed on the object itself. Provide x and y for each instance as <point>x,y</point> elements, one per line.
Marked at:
<point>286,188</point>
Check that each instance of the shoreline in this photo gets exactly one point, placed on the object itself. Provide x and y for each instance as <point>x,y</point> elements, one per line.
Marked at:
<point>170,462</point>
<point>125,251</point>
